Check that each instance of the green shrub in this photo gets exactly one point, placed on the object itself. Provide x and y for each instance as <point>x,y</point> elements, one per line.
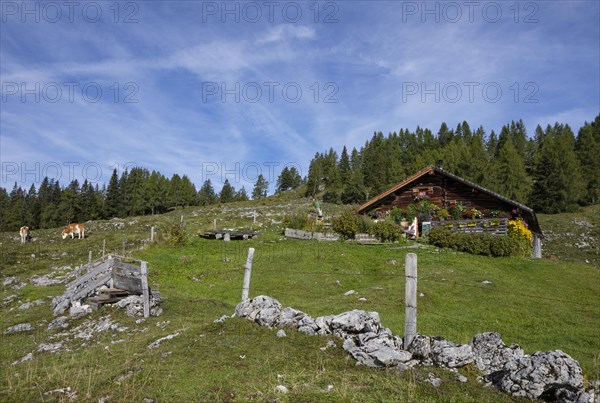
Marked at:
<point>347,224</point>
<point>295,221</point>
<point>386,231</point>
<point>365,225</point>
<point>176,235</point>
<point>478,244</point>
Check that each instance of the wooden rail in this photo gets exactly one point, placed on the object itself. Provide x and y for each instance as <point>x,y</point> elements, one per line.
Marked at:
<point>492,226</point>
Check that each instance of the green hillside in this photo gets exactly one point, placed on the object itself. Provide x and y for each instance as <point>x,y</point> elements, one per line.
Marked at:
<point>542,304</point>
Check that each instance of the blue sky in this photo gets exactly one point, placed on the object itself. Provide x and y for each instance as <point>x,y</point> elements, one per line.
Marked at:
<point>231,89</point>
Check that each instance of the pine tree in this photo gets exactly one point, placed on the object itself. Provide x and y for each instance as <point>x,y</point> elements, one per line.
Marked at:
<point>4,204</point>
<point>444,136</point>
<point>241,195</point>
<point>315,176</point>
<point>69,208</point>
<point>157,191</point>
<point>515,183</point>
<point>124,206</point>
<point>260,188</point>
<point>136,191</point>
<point>227,193</point>
<point>588,153</point>
<point>558,184</point>
<point>207,194</point>
<point>33,210</point>
<point>16,215</point>
<point>113,196</point>
<point>295,178</point>
<point>284,181</point>
<point>344,167</point>
<point>188,191</point>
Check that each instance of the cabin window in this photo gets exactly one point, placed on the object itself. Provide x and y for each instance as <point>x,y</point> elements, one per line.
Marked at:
<point>422,192</point>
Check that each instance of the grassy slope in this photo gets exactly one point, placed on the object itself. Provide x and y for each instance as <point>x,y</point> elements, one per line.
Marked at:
<point>573,237</point>
<point>540,304</point>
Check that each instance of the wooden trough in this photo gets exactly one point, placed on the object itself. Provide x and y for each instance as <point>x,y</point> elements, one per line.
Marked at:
<point>227,235</point>
<point>122,279</point>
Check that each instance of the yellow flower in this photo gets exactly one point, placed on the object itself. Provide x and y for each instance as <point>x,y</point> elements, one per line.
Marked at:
<point>517,228</point>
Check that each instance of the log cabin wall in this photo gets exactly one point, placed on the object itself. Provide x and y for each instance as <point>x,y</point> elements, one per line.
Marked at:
<point>443,192</point>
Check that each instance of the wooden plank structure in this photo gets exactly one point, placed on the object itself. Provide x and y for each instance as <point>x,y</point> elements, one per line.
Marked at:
<point>492,226</point>
<point>122,279</point>
<point>227,234</point>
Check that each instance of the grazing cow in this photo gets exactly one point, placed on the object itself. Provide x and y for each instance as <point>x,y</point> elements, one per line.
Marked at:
<point>73,229</point>
<point>24,232</point>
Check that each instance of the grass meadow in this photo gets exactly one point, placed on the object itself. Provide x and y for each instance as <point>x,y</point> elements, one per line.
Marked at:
<point>541,304</point>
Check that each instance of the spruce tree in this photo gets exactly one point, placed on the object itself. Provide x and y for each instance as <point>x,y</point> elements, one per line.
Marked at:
<point>514,182</point>
<point>227,192</point>
<point>260,188</point>
<point>113,196</point>
<point>207,195</point>
<point>558,184</point>
<point>588,153</point>
<point>241,195</point>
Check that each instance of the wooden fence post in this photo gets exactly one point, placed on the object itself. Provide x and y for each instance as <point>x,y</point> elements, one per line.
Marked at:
<point>246,289</point>
<point>103,249</point>
<point>536,250</point>
<point>123,248</point>
<point>152,234</point>
<point>410,299</point>
<point>226,237</point>
<point>145,290</point>
<point>89,260</point>
<point>215,223</point>
<point>111,263</point>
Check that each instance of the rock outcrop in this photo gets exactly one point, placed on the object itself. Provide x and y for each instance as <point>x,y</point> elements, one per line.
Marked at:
<point>552,376</point>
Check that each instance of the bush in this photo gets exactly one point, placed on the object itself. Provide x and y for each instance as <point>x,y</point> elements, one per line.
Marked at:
<point>347,224</point>
<point>386,231</point>
<point>365,225</point>
<point>176,235</point>
<point>518,231</point>
<point>478,244</point>
<point>295,221</point>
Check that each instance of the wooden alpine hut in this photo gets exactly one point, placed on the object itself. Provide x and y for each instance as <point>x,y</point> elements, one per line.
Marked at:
<point>445,190</point>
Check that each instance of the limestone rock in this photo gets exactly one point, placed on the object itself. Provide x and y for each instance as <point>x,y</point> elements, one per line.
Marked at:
<point>548,375</point>
<point>60,322</point>
<point>491,354</point>
<point>263,310</point>
<point>441,352</point>
<point>20,328</point>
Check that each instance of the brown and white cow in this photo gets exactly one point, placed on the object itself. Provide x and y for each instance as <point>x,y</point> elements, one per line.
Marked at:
<point>24,232</point>
<point>73,229</point>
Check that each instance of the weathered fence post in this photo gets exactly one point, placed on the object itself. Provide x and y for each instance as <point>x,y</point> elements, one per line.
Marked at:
<point>111,263</point>
<point>246,289</point>
<point>90,260</point>
<point>254,217</point>
<point>103,249</point>
<point>215,223</point>
<point>152,234</point>
<point>410,299</point>
<point>145,290</point>
<point>226,237</point>
<point>536,250</point>
<point>123,254</point>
